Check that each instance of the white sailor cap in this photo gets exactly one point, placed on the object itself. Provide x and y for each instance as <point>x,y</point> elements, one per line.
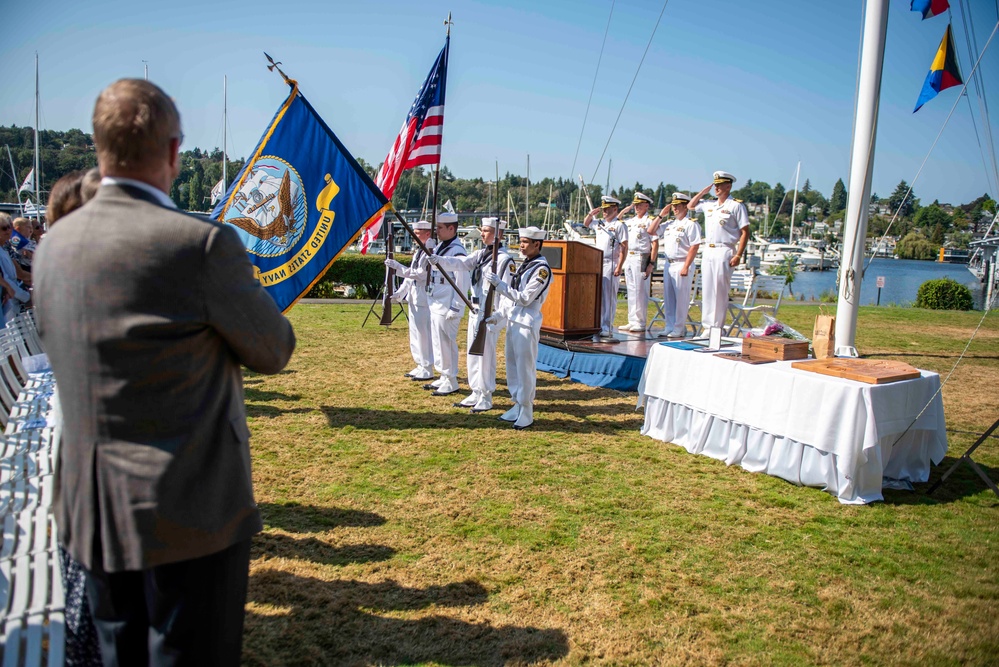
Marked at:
<point>447,218</point>
<point>607,201</point>
<point>492,222</point>
<point>422,224</point>
<point>533,233</point>
<point>642,198</point>
<point>723,177</point>
<point>680,198</point>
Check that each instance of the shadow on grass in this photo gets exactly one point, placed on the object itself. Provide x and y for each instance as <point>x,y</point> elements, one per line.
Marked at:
<point>962,483</point>
<point>261,395</point>
<point>387,420</point>
<point>296,518</point>
<point>315,550</point>
<point>351,622</point>
<point>954,356</point>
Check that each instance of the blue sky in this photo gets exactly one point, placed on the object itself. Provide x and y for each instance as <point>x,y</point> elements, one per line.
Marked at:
<point>746,86</point>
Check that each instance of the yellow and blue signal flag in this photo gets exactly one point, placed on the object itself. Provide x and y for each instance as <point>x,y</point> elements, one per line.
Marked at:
<point>299,201</point>
<point>944,71</point>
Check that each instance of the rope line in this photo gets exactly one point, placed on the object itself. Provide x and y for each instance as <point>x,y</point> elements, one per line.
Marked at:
<point>593,87</point>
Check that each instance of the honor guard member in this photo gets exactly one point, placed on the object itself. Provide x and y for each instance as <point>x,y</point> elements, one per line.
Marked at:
<point>639,263</point>
<point>446,306</point>
<point>612,239</point>
<point>726,231</point>
<point>522,299</point>
<point>482,369</point>
<point>680,240</point>
<point>413,290</point>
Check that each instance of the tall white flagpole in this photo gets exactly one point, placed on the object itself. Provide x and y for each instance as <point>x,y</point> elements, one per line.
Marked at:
<point>794,203</point>
<point>225,121</point>
<point>865,130</point>
<point>38,167</point>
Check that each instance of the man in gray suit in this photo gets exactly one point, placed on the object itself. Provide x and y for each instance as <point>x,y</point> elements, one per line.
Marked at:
<point>146,314</point>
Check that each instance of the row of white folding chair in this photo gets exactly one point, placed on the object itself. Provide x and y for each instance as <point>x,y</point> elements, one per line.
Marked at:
<point>31,589</point>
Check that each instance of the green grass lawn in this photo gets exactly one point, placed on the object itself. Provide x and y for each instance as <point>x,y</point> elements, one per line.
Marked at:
<point>400,530</point>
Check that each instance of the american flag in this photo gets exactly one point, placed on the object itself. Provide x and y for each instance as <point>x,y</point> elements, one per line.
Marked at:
<point>419,140</point>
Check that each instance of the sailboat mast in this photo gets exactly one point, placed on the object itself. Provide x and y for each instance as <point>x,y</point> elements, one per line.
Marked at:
<point>13,175</point>
<point>865,129</point>
<point>38,161</point>
<point>225,122</point>
<point>527,194</point>
<point>794,203</point>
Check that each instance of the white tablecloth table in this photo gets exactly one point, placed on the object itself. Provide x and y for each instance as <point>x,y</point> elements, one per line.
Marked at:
<point>814,430</point>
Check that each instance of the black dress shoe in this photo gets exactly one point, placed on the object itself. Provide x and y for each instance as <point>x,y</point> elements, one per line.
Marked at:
<point>521,428</point>
<point>430,386</point>
<point>444,393</point>
<point>477,411</point>
<point>416,379</point>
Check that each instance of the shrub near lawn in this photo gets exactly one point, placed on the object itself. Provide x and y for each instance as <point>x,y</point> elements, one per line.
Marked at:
<point>365,273</point>
<point>944,294</point>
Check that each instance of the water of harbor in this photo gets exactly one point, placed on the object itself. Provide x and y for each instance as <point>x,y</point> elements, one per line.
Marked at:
<point>902,280</point>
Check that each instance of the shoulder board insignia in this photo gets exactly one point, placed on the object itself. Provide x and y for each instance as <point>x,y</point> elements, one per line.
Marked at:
<point>739,200</point>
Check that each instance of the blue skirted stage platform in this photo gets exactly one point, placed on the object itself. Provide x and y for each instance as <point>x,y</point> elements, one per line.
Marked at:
<point>617,365</point>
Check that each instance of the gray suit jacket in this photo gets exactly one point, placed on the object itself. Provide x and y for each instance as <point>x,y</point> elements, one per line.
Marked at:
<point>146,314</point>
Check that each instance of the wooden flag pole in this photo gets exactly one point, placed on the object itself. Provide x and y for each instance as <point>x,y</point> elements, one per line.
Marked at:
<point>409,230</point>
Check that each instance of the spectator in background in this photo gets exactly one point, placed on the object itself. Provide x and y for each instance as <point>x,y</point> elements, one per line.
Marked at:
<point>91,183</point>
<point>82,647</point>
<point>13,294</point>
<point>155,491</point>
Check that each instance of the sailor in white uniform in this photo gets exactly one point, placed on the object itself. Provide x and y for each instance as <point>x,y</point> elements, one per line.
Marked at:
<point>639,264</point>
<point>612,239</point>
<point>446,306</point>
<point>522,299</point>
<point>726,232</point>
<point>680,239</point>
<point>413,290</point>
<point>482,368</point>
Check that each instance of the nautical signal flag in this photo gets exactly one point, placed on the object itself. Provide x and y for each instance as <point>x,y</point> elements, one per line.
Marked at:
<point>929,8</point>
<point>298,202</point>
<point>419,140</point>
<point>944,71</point>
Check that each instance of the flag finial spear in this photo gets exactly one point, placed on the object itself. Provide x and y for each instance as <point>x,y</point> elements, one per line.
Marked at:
<point>274,66</point>
<point>449,23</point>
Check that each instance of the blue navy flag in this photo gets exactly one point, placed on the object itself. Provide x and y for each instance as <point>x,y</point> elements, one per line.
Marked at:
<point>19,242</point>
<point>298,202</point>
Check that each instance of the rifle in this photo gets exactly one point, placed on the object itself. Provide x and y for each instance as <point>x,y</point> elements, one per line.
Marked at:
<point>409,230</point>
<point>478,346</point>
<point>389,277</point>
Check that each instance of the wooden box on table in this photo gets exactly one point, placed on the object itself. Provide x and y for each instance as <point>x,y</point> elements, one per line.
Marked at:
<point>572,309</point>
<point>775,347</point>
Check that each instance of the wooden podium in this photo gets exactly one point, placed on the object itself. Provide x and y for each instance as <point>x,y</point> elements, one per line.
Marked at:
<point>572,309</point>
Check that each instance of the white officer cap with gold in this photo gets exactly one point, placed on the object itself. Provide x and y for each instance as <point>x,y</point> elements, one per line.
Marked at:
<point>642,198</point>
<point>495,223</point>
<point>447,218</point>
<point>723,177</point>
<point>607,201</point>
<point>422,224</point>
<point>680,198</point>
<point>533,233</point>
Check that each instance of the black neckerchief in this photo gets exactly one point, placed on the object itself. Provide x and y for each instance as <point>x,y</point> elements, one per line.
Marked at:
<point>485,259</point>
<point>524,270</point>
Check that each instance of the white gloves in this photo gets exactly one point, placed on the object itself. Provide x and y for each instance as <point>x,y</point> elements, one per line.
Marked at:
<point>394,265</point>
<point>491,277</point>
<point>397,297</point>
<point>493,319</point>
<point>453,315</point>
<point>434,259</point>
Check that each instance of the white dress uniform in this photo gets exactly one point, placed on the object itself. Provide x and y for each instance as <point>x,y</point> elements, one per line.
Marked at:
<point>676,239</point>
<point>639,248</point>
<point>723,224</point>
<point>610,235</point>
<point>482,369</point>
<point>413,290</point>
<point>446,311</point>
<point>522,299</point>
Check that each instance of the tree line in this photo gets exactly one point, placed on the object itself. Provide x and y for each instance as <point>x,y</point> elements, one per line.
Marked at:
<point>922,230</point>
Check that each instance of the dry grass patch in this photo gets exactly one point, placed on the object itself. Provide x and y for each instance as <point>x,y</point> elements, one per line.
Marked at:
<point>400,530</point>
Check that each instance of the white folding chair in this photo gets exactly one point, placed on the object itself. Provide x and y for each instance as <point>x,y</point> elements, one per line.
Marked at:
<point>761,285</point>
